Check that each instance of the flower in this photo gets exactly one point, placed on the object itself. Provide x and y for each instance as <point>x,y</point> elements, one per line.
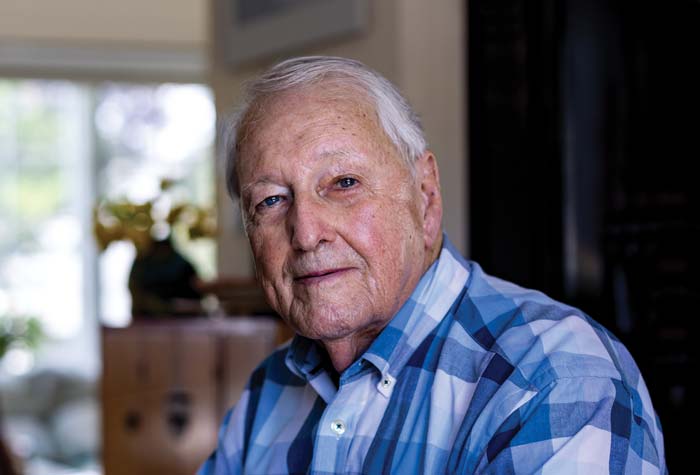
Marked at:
<point>155,220</point>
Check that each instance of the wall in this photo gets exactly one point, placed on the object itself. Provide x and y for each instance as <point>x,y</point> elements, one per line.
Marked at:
<point>420,47</point>
<point>162,40</point>
<point>176,22</point>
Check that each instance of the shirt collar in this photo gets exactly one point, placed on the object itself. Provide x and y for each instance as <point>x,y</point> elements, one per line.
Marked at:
<point>435,293</point>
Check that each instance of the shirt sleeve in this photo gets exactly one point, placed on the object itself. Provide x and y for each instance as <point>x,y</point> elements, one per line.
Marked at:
<point>591,425</point>
<point>227,458</point>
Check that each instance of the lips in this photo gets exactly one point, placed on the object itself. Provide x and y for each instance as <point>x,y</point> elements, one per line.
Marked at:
<point>318,276</point>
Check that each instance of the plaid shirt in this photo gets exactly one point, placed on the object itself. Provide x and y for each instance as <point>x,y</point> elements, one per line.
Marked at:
<point>472,375</point>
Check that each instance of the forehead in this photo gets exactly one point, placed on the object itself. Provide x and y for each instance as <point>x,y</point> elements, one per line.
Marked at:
<point>294,116</point>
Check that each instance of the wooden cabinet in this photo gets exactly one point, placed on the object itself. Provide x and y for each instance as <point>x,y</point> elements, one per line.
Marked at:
<point>167,384</point>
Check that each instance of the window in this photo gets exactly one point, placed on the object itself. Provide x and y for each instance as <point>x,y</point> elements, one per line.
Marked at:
<point>64,146</point>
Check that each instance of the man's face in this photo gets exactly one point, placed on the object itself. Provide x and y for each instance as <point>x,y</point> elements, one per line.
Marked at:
<point>334,217</point>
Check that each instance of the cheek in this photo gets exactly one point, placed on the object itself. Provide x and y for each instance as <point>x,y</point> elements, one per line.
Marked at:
<point>367,226</point>
<point>268,256</point>
<point>383,234</point>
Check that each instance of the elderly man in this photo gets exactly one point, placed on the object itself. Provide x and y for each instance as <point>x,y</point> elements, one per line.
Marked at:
<point>407,357</point>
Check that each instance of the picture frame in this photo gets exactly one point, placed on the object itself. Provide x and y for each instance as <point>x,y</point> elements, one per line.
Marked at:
<point>258,29</point>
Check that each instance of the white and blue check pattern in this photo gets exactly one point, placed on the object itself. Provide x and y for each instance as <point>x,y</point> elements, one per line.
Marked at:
<point>473,375</point>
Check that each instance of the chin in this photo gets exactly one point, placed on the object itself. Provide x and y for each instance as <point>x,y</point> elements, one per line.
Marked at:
<point>331,324</point>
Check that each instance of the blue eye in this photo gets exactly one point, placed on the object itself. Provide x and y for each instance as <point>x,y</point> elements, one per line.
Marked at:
<point>347,182</point>
<point>271,200</point>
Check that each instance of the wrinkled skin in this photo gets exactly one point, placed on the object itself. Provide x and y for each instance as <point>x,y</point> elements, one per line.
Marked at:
<point>340,227</point>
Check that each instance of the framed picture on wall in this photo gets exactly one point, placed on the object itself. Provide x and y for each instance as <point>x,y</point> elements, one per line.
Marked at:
<point>262,28</point>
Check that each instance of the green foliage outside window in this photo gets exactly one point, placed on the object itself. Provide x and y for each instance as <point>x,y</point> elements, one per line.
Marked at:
<point>19,331</point>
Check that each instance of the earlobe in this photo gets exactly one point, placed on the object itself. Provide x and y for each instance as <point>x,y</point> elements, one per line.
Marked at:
<point>429,176</point>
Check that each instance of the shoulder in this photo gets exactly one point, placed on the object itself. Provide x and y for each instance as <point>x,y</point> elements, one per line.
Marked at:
<point>541,338</point>
<point>553,372</point>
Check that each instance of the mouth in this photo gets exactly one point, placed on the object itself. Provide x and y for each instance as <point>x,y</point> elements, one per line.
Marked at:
<point>320,276</point>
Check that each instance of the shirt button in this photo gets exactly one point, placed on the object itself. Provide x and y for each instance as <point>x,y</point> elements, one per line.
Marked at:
<point>386,382</point>
<point>338,427</point>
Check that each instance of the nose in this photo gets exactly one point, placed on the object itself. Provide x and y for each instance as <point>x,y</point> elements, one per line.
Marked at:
<point>310,224</point>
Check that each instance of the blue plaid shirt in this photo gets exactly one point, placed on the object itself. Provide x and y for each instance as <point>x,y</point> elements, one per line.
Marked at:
<point>472,375</point>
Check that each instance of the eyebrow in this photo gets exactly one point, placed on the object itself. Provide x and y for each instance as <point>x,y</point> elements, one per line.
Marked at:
<point>350,156</point>
<point>261,181</point>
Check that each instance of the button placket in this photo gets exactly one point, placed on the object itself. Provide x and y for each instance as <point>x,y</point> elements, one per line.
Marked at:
<point>339,418</point>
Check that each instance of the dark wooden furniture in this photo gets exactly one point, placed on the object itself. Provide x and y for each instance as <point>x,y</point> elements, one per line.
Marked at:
<point>167,384</point>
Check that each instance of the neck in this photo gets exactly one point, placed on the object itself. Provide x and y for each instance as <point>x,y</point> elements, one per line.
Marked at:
<point>344,351</point>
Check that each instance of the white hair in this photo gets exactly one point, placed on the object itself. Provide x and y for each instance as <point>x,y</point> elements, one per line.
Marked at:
<point>400,123</point>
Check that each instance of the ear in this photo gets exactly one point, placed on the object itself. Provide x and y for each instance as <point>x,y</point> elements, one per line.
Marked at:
<point>428,178</point>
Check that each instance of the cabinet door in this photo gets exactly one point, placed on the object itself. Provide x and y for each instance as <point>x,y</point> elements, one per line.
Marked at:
<point>166,387</point>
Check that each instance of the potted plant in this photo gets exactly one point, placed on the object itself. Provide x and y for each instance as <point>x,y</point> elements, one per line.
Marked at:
<point>162,281</point>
